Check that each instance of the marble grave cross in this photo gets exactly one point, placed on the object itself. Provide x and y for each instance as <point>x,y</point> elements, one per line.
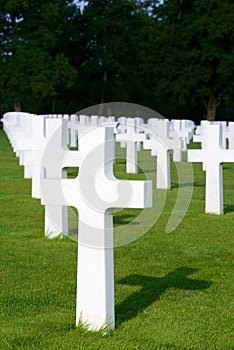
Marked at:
<point>31,150</point>
<point>54,162</point>
<point>73,130</point>
<point>230,135</point>
<point>131,138</point>
<point>160,144</point>
<point>95,192</point>
<point>213,155</point>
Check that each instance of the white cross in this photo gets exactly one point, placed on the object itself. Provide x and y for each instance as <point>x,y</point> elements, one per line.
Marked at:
<point>160,144</point>
<point>31,150</point>
<point>184,128</point>
<point>108,122</point>
<point>121,126</point>
<point>85,123</point>
<point>102,120</point>
<point>22,130</point>
<point>131,138</point>
<point>95,192</point>
<point>13,124</point>
<point>94,120</point>
<point>199,135</point>
<point>213,155</point>
<point>141,129</point>
<point>10,119</point>
<point>225,133</point>
<point>56,215</point>
<point>230,135</point>
<point>178,141</point>
<point>73,130</point>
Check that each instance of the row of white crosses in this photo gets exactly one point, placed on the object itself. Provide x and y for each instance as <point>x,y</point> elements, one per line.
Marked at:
<point>184,129</point>
<point>157,135</point>
<point>95,193</point>
<point>29,135</point>
<point>154,135</point>
<point>41,144</point>
<point>31,149</point>
<point>44,151</point>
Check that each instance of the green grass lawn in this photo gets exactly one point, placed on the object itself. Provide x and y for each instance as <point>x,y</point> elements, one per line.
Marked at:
<point>172,290</point>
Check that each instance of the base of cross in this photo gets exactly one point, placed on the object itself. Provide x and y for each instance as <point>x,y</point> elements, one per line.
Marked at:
<point>95,294</point>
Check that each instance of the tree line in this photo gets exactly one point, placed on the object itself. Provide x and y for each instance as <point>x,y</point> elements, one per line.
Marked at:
<point>174,56</point>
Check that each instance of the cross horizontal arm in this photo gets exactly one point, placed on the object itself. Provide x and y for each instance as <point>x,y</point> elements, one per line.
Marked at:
<point>218,156</point>
<point>130,137</point>
<point>71,159</point>
<point>28,144</point>
<point>59,192</point>
<point>227,156</point>
<point>139,194</point>
<point>196,156</point>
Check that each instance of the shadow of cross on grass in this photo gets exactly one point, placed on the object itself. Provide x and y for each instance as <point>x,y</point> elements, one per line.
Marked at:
<point>153,288</point>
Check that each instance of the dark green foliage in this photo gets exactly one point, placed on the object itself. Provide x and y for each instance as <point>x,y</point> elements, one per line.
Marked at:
<point>175,57</point>
<point>194,63</point>
<point>37,68</point>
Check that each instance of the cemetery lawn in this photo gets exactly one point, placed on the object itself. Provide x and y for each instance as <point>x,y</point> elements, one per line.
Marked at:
<point>172,290</point>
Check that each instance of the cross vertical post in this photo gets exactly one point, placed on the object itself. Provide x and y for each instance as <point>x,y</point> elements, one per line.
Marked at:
<point>56,215</point>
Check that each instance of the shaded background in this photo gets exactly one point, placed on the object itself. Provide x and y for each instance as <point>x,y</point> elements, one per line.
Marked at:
<point>61,56</point>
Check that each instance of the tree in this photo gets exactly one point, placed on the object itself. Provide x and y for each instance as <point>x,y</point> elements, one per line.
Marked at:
<point>111,33</point>
<point>193,45</point>
<point>36,70</point>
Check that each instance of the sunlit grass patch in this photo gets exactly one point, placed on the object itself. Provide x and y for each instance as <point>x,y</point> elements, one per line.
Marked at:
<point>172,290</point>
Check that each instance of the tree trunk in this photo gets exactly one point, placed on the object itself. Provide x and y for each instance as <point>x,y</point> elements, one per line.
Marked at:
<point>211,105</point>
<point>0,103</point>
<point>104,79</point>
<point>53,105</point>
<point>17,107</point>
